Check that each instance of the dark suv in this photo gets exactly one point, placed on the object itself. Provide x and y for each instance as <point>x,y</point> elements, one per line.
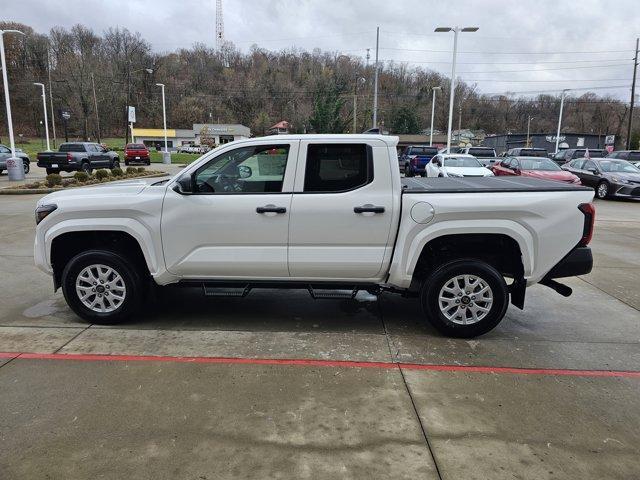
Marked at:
<point>527,152</point>
<point>564,156</point>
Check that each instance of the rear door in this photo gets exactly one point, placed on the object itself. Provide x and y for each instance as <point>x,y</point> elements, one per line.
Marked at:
<point>341,211</point>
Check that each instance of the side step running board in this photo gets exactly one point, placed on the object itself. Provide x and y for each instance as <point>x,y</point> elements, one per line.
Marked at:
<point>225,292</point>
<point>331,294</point>
<point>317,291</point>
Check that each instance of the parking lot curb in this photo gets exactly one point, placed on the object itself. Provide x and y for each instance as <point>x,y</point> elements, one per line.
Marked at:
<point>32,191</point>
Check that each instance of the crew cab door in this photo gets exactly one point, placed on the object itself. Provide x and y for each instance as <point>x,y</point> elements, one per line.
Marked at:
<point>342,210</point>
<point>235,223</point>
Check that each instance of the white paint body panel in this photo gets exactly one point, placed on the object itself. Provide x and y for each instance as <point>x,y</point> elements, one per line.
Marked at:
<point>319,238</point>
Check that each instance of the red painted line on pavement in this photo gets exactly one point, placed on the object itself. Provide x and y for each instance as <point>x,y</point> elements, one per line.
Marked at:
<point>322,363</point>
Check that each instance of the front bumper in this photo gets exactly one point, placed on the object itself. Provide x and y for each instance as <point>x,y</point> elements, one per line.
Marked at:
<point>628,190</point>
<point>578,261</point>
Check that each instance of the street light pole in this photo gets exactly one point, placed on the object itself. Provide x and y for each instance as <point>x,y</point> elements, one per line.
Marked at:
<point>455,31</point>
<point>529,129</point>
<point>375,81</point>
<point>44,107</point>
<point>95,104</point>
<point>564,92</point>
<point>166,158</point>
<point>53,117</point>
<point>633,96</point>
<point>433,111</point>
<point>15,168</point>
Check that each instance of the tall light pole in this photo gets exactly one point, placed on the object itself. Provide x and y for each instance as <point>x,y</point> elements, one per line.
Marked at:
<point>529,129</point>
<point>564,92</point>
<point>44,107</point>
<point>15,168</point>
<point>433,111</point>
<point>53,117</point>
<point>633,95</point>
<point>166,157</point>
<point>375,81</point>
<point>455,31</point>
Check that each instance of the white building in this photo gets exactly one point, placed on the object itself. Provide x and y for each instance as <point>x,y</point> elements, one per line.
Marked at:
<point>200,134</point>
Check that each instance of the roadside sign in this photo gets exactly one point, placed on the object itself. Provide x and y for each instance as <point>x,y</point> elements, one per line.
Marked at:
<point>610,140</point>
<point>132,114</point>
<point>65,114</point>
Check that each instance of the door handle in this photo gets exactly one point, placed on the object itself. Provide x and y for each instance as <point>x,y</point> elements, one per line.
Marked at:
<point>368,208</point>
<point>271,209</point>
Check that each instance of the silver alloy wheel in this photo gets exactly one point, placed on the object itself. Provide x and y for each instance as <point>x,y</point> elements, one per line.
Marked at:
<point>100,288</point>
<point>603,190</point>
<point>465,299</point>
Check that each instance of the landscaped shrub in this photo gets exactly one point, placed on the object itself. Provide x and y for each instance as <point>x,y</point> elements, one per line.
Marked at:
<point>117,172</point>
<point>69,181</point>
<point>141,170</point>
<point>81,176</point>
<point>53,179</point>
<point>33,185</point>
<point>102,174</point>
<point>132,170</point>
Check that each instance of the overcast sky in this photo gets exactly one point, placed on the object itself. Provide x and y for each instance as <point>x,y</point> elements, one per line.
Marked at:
<point>522,46</point>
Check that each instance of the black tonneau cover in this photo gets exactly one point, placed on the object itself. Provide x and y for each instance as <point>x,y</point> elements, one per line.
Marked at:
<point>484,184</point>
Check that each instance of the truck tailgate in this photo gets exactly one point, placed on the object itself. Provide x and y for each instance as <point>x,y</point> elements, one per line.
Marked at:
<point>52,158</point>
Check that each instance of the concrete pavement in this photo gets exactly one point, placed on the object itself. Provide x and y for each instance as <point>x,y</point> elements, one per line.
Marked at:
<point>150,419</point>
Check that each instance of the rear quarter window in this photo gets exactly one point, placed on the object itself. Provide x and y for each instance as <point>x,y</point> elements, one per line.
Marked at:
<point>337,167</point>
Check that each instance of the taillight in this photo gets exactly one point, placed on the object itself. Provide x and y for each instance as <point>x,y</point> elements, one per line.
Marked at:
<point>589,211</point>
<point>69,157</point>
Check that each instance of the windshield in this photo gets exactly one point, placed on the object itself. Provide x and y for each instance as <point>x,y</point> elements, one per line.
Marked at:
<point>461,162</point>
<point>538,163</point>
<point>423,151</point>
<point>482,152</point>
<point>531,152</point>
<point>620,166</point>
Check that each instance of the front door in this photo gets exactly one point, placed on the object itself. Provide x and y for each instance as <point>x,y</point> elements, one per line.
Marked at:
<point>341,211</point>
<point>235,225</point>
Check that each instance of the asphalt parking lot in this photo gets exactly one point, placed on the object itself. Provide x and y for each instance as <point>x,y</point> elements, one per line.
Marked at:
<point>278,385</point>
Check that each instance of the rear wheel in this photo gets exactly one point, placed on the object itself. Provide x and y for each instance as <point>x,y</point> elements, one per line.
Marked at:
<point>102,287</point>
<point>115,164</point>
<point>86,167</point>
<point>465,298</point>
<point>602,190</point>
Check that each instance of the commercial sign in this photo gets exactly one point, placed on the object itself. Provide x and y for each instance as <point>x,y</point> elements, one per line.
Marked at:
<point>610,140</point>
<point>132,114</point>
<point>552,138</point>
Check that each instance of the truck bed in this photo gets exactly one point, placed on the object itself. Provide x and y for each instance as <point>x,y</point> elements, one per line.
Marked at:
<point>484,184</point>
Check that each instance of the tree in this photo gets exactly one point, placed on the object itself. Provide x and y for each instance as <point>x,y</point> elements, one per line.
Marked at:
<point>327,110</point>
<point>404,119</point>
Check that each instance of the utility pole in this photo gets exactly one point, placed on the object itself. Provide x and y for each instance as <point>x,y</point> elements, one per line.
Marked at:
<point>126,108</point>
<point>95,104</point>
<point>375,81</point>
<point>564,92</point>
<point>529,129</point>
<point>53,115</point>
<point>355,102</point>
<point>633,96</point>
<point>459,121</point>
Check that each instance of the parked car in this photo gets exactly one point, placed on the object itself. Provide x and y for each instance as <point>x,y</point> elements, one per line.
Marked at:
<point>136,153</point>
<point>327,213</point>
<point>479,152</point>
<point>632,156</point>
<point>527,152</point>
<point>415,158</point>
<point>568,154</point>
<point>193,149</point>
<point>537,167</point>
<point>456,165</point>
<point>76,156</point>
<point>5,153</point>
<point>610,177</point>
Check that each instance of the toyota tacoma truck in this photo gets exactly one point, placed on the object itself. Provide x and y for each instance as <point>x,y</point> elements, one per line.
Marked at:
<point>326,213</point>
<point>76,156</point>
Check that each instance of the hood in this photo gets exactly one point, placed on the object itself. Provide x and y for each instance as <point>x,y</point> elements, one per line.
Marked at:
<point>111,189</point>
<point>469,171</point>
<point>561,175</point>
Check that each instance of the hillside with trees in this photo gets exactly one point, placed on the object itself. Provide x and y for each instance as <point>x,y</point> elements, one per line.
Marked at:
<point>312,90</point>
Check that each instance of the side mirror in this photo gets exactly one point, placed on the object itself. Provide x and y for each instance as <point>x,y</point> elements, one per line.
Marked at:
<point>244,171</point>
<point>184,185</point>
<point>593,170</point>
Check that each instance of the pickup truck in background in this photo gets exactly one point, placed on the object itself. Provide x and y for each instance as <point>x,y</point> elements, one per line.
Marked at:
<point>136,153</point>
<point>415,158</point>
<point>326,213</point>
<point>73,157</point>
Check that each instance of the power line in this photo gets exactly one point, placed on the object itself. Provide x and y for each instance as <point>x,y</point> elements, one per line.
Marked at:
<point>549,81</point>
<point>510,63</point>
<point>550,69</point>
<point>479,52</point>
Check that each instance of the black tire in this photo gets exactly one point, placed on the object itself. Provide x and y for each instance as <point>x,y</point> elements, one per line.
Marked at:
<point>408,171</point>
<point>115,164</point>
<point>444,275</point>
<point>602,190</point>
<point>26,166</point>
<point>52,170</point>
<point>126,163</point>
<point>86,167</point>
<point>148,163</point>
<point>124,267</point>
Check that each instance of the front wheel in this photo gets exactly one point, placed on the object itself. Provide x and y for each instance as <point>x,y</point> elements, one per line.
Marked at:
<point>602,191</point>
<point>102,287</point>
<point>464,298</point>
<point>26,167</point>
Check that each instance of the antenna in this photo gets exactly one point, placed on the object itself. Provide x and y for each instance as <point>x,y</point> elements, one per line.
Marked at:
<point>219,25</point>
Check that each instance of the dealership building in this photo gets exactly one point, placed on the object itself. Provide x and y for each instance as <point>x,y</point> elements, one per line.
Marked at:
<point>201,133</point>
<point>547,141</point>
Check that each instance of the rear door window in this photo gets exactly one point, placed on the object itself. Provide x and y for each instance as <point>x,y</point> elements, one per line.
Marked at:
<point>337,167</point>
<point>72,147</point>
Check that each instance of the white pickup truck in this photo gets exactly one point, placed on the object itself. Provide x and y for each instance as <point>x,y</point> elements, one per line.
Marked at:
<point>327,213</point>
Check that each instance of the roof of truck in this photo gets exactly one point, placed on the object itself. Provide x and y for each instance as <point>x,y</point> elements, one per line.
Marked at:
<point>390,140</point>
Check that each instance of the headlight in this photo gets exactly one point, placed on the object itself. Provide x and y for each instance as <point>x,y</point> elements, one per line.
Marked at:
<point>618,179</point>
<point>43,210</point>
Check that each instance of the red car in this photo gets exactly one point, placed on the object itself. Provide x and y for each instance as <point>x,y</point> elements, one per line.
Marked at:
<point>136,153</point>
<point>537,167</point>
